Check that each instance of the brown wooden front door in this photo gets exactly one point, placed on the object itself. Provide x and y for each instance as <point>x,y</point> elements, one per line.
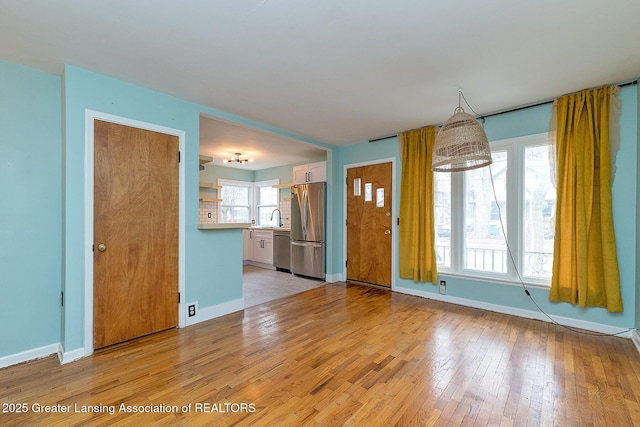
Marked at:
<point>369,224</point>
<point>135,257</point>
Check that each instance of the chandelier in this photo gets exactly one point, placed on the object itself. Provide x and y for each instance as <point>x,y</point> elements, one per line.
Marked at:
<point>237,158</point>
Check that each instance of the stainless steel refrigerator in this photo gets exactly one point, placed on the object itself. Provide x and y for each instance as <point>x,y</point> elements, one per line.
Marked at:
<point>308,229</point>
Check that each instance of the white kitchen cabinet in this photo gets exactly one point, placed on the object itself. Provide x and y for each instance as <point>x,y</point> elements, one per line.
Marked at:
<point>247,245</point>
<point>312,172</point>
<point>263,246</point>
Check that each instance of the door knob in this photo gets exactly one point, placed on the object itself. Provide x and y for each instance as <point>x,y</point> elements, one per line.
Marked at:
<point>102,247</point>
<point>387,231</point>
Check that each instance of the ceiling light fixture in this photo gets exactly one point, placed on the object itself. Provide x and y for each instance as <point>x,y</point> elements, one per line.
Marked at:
<point>461,144</point>
<point>237,158</point>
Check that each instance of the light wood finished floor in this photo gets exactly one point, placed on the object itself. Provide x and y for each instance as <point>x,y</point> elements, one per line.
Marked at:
<point>345,355</point>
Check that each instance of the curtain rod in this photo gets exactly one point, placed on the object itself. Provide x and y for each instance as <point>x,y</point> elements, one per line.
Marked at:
<point>511,110</point>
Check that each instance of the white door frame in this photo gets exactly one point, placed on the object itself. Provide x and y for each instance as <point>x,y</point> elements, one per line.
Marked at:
<point>90,117</point>
<point>394,228</point>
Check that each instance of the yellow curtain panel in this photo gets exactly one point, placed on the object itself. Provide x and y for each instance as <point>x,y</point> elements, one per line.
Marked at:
<point>417,232</point>
<point>585,264</point>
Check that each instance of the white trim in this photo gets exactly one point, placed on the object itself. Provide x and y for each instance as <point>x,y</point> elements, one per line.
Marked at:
<point>528,314</point>
<point>90,116</point>
<point>27,355</point>
<point>236,183</point>
<point>394,226</point>
<point>217,310</point>
<point>636,339</point>
<point>515,179</point>
<point>69,356</point>
<point>334,278</point>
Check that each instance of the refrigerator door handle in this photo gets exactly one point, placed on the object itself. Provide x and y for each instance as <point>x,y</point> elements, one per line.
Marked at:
<point>312,244</point>
<point>305,213</point>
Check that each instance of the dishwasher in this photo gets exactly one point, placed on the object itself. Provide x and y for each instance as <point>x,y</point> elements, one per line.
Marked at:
<point>282,250</point>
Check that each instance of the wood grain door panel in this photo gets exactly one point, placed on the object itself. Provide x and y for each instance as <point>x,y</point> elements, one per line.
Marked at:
<point>136,218</point>
<point>369,226</point>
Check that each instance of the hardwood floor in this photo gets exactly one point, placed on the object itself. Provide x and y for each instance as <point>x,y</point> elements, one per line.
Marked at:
<point>341,355</point>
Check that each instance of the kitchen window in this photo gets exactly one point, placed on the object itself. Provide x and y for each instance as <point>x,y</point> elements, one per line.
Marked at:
<point>513,198</point>
<point>266,201</point>
<point>249,202</point>
<point>236,201</point>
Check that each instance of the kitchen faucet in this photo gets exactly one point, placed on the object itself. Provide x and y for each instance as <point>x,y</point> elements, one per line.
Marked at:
<point>280,224</point>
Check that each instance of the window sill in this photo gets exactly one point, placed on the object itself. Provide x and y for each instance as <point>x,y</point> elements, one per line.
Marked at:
<point>495,280</point>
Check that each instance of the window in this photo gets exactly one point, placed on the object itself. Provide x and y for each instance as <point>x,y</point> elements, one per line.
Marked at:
<point>484,245</point>
<point>249,202</point>
<point>236,201</point>
<point>266,202</point>
<point>539,213</point>
<point>513,198</point>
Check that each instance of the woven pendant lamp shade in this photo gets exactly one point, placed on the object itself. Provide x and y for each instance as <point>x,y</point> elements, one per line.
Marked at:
<point>460,145</point>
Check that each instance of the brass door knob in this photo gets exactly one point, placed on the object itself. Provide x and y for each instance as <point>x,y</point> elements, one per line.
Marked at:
<point>102,247</point>
<point>387,232</point>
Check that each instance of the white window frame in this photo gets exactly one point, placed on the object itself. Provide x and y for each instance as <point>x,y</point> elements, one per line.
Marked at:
<point>229,183</point>
<point>514,148</point>
<point>256,194</point>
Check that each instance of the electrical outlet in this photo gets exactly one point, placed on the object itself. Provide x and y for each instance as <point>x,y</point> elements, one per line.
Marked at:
<point>443,287</point>
<point>208,214</point>
<point>192,310</point>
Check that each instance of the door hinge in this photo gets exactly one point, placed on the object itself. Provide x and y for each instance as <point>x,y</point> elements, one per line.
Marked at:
<point>346,263</point>
<point>62,298</point>
<point>178,157</point>
<point>398,220</point>
<point>178,297</point>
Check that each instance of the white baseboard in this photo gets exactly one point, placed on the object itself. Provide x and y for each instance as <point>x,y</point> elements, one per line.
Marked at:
<point>25,356</point>
<point>208,313</point>
<point>529,314</point>
<point>333,278</point>
<point>69,356</point>
<point>259,264</point>
<point>636,339</point>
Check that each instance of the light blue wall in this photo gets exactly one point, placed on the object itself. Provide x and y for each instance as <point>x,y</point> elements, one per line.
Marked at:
<point>30,208</point>
<point>42,203</point>
<point>213,267</point>
<point>518,123</point>
<point>213,258</point>
<point>212,173</point>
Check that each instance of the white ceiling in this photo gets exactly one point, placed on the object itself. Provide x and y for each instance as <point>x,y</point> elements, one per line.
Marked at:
<point>335,71</point>
<point>222,139</point>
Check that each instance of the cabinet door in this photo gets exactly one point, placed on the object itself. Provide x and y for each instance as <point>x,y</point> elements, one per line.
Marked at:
<point>300,174</point>
<point>247,245</point>
<point>313,172</point>
<point>317,172</point>
<point>263,251</point>
<point>263,246</point>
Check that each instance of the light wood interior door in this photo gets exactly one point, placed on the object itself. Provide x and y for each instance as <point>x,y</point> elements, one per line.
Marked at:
<point>135,258</point>
<point>369,224</point>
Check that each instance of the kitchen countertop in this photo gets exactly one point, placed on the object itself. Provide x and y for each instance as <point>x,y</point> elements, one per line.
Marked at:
<point>224,226</point>
<point>271,228</point>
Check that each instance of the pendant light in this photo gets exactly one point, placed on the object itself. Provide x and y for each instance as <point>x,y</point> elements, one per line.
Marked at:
<point>461,144</point>
<point>237,158</point>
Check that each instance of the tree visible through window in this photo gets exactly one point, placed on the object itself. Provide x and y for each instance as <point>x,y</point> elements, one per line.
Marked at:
<point>471,221</point>
<point>236,202</point>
